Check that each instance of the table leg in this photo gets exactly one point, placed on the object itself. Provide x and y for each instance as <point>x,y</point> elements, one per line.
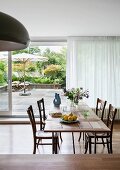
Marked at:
<point>54,144</point>
<point>73,143</point>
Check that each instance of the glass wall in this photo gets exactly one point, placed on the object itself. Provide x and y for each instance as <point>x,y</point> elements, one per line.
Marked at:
<point>37,72</point>
<point>5,87</point>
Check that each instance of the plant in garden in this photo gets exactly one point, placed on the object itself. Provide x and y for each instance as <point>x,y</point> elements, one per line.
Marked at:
<point>3,73</point>
<point>52,70</point>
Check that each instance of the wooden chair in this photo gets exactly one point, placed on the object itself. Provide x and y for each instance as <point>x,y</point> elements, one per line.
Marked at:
<point>100,110</point>
<point>38,136</point>
<point>43,117</point>
<point>108,136</point>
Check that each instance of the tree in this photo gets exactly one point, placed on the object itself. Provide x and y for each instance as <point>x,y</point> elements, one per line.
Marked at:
<point>56,72</point>
<point>55,58</point>
<point>31,50</point>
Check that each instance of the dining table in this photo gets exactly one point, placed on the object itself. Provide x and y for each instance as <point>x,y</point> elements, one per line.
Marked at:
<point>59,162</point>
<point>87,121</point>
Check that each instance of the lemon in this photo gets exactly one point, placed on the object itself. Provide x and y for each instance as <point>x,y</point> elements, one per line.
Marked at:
<point>65,117</point>
<point>74,117</point>
<point>70,118</point>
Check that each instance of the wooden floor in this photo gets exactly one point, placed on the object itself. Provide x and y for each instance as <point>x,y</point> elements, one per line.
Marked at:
<point>17,139</point>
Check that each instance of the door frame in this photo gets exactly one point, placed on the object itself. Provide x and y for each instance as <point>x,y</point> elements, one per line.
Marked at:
<point>9,88</point>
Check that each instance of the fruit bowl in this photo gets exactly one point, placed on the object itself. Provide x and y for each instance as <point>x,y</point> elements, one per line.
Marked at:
<point>69,118</point>
<point>69,122</point>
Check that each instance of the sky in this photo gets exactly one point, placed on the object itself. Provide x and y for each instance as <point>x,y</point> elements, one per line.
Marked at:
<point>53,48</point>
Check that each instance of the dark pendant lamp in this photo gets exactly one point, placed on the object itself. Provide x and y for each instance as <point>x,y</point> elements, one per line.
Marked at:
<point>13,35</point>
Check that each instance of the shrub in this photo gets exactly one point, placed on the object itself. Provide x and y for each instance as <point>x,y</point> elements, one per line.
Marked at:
<point>52,70</point>
<point>2,78</point>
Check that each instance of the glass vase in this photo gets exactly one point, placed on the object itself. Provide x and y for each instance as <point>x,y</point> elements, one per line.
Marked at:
<point>72,104</point>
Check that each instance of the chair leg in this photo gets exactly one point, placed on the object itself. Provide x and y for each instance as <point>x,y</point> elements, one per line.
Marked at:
<point>86,145</point>
<point>73,143</point>
<point>95,144</point>
<point>103,142</point>
<point>89,145</point>
<point>61,137</point>
<point>111,151</point>
<point>108,148</point>
<point>58,142</point>
<point>83,135</point>
<point>38,142</point>
<point>79,137</point>
<point>34,148</point>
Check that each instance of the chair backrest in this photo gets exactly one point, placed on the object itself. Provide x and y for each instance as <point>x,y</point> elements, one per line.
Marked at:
<point>42,115</point>
<point>100,108</point>
<point>111,117</point>
<point>32,119</point>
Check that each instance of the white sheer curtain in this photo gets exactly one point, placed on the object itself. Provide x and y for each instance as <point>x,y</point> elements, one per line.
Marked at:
<point>94,63</point>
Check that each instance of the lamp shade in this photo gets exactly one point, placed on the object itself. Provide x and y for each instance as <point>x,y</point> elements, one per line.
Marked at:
<point>13,34</point>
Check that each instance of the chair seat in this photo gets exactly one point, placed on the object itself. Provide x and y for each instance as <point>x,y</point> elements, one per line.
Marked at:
<point>98,134</point>
<point>44,135</point>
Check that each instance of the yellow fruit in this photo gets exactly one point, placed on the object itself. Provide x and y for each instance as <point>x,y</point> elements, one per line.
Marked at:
<point>71,114</point>
<point>74,117</point>
<point>70,118</point>
<point>65,117</point>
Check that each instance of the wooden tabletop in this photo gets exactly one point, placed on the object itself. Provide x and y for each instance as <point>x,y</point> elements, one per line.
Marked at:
<point>87,126</point>
<point>60,162</point>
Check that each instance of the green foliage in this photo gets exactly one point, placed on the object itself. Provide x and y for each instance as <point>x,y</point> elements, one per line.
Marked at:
<point>54,58</point>
<point>42,80</point>
<point>15,78</point>
<point>58,81</point>
<point>31,50</point>
<point>54,68</point>
<point>31,69</point>
<point>2,78</point>
<point>2,66</point>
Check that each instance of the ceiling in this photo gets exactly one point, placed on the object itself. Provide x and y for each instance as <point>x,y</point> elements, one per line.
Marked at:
<point>62,18</point>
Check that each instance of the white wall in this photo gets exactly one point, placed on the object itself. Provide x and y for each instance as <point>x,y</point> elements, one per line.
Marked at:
<point>66,17</point>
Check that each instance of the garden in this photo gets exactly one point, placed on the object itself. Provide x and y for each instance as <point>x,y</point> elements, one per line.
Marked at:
<point>50,71</point>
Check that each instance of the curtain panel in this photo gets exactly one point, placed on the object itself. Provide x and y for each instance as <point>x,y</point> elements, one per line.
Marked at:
<point>94,64</point>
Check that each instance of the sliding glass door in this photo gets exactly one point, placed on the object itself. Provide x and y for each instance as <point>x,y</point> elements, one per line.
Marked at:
<point>5,84</point>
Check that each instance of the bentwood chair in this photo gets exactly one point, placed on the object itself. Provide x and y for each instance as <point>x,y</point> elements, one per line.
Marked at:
<point>107,136</point>
<point>42,115</point>
<point>100,110</point>
<point>38,136</point>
